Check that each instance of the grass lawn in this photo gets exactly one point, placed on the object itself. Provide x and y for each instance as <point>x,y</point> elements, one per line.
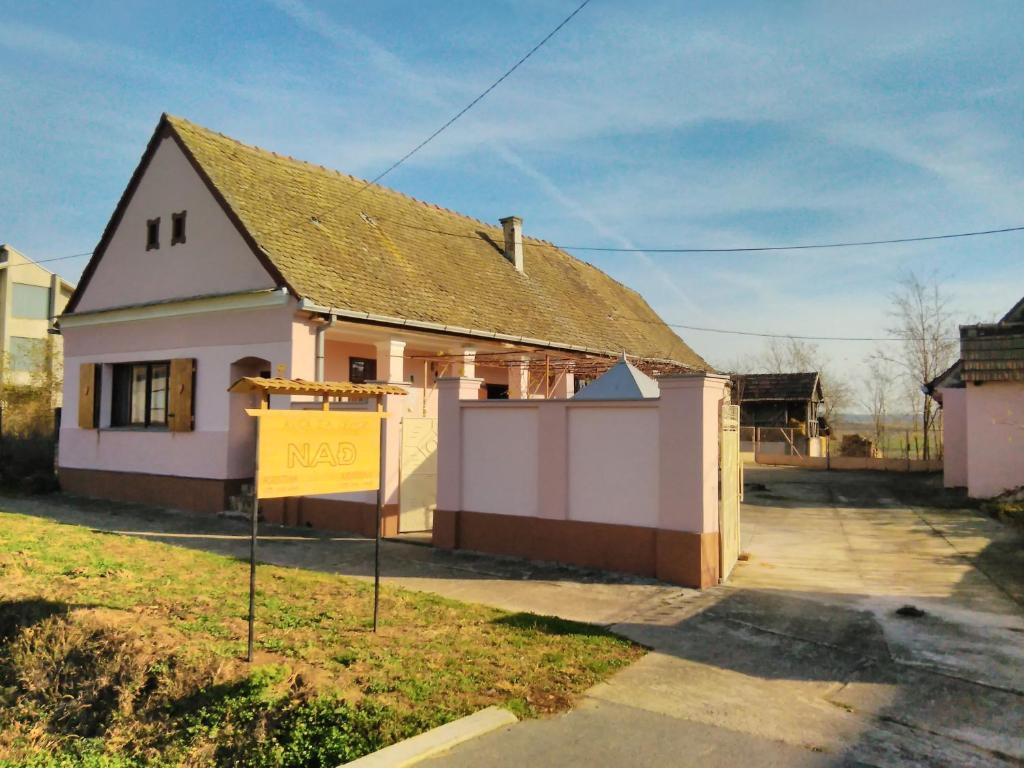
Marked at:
<point>116,651</point>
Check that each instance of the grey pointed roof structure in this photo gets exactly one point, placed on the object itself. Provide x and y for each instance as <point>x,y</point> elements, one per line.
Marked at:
<point>623,381</point>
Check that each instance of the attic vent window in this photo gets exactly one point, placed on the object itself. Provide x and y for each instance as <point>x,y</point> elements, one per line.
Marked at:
<point>178,227</point>
<point>152,233</point>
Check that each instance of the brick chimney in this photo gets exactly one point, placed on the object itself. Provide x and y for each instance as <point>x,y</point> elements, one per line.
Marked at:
<point>513,227</point>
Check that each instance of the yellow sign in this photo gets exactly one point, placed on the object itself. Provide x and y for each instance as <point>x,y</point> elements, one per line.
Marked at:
<point>303,453</point>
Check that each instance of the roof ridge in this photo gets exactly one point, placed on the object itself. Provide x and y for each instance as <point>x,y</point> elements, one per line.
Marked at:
<point>449,293</point>
<point>317,166</point>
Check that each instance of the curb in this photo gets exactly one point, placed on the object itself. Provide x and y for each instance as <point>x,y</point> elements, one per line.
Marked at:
<point>436,740</point>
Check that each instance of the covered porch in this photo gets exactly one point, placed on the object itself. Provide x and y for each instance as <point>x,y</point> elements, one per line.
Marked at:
<point>342,350</point>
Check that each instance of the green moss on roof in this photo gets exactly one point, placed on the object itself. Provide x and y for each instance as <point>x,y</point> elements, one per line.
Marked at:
<point>385,253</point>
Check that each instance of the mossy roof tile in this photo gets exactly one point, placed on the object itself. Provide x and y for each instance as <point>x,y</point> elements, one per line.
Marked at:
<point>378,251</point>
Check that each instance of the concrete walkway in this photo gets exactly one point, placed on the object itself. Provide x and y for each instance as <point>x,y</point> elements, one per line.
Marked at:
<point>800,660</point>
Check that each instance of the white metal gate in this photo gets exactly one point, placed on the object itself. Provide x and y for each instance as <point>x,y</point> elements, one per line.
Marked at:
<point>730,488</point>
<point>418,492</point>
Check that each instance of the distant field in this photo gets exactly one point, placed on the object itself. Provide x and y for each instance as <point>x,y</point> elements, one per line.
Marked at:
<point>115,651</point>
<point>899,432</point>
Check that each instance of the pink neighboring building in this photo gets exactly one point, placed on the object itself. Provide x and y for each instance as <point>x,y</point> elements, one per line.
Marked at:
<point>982,399</point>
<point>223,260</point>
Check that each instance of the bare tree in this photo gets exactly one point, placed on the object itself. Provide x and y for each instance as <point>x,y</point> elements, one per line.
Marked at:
<point>798,356</point>
<point>877,397</point>
<point>922,319</point>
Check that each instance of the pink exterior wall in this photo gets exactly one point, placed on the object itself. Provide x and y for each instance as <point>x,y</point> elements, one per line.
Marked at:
<point>649,463</point>
<point>500,459</point>
<point>954,438</point>
<point>213,259</point>
<point>607,444</point>
<point>689,451</point>
<point>995,437</point>
<point>215,340</point>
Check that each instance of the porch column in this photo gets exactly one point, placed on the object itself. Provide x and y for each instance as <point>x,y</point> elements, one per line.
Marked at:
<point>391,361</point>
<point>467,366</point>
<point>391,370</point>
<point>564,385</point>
<point>449,457</point>
<point>687,537</point>
<point>519,380</point>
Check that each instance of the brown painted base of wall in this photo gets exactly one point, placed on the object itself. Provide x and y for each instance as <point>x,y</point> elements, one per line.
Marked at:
<point>330,515</point>
<point>197,494</point>
<point>688,559</point>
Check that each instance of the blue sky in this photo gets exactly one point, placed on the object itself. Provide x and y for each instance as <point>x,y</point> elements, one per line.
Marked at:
<point>642,124</point>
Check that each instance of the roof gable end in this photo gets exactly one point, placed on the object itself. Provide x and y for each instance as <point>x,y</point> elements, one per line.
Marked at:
<point>216,240</point>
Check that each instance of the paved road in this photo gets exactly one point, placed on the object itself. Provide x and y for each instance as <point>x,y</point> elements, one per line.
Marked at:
<point>802,660</point>
<point>799,660</point>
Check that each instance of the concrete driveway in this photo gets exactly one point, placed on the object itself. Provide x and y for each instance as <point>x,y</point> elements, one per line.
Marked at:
<point>800,660</point>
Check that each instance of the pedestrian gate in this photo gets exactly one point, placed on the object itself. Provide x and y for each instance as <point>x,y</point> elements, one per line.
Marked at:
<point>418,492</point>
<point>730,488</point>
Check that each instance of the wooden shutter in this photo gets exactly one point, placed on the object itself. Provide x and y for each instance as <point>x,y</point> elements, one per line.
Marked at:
<point>87,395</point>
<point>180,408</point>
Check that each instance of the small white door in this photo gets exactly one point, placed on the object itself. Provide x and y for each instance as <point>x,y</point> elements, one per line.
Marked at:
<point>418,492</point>
<point>730,488</point>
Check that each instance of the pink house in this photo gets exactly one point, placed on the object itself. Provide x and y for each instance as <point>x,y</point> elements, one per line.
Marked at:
<point>223,260</point>
<point>982,399</point>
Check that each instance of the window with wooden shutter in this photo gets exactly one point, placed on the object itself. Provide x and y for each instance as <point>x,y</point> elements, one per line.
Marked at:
<point>88,396</point>
<point>180,405</point>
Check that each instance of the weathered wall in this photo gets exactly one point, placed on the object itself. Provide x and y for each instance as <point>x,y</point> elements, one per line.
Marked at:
<point>995,438</point>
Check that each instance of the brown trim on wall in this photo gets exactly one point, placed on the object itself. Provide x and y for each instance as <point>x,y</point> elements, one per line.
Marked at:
<point>196,494</point>
<point>200,494</point>
<point>688,559</point>
<point>330,515</point>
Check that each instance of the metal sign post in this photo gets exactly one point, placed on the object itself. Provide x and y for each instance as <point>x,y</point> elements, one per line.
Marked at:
<point>264,404</point>
<point>380,510</point>
<point>305,453</point>
<point>252,577</point>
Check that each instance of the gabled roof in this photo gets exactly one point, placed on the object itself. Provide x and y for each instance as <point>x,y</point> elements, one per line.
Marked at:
<point>769,387</point>
<point>992,351</point>
<point>1016,313</point>
<point>338,243</point>
<point>623,381</point>
<point>951,378</point>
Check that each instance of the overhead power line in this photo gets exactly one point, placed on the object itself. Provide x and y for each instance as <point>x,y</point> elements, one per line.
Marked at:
<point>536,244</point>
<point>47,261</point>
<point>766,335</point>
<point>475,101</point>
<point>744,249</point>
<point>372,182</point>
<point>792,335</point>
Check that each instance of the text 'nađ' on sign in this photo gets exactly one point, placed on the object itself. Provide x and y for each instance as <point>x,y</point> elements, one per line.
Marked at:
<point>304,453</point>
